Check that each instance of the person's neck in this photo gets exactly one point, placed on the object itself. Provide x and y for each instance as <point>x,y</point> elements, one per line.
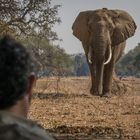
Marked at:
<point>19,109</point>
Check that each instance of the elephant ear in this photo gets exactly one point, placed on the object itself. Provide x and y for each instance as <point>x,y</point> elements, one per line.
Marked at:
<point>80,26</point>
<point>124,26</point>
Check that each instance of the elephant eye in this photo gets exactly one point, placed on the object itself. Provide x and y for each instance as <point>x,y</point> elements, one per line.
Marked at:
<point>97,17</point>
<point>109,26</point>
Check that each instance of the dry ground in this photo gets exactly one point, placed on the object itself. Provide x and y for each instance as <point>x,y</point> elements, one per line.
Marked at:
<point>65,107</point>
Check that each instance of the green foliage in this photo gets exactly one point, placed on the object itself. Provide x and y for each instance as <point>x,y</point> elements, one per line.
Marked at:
<point>129,64</point>
<point>31,21</point>
<point>28,17</point>
<point>80,65</point>
<point>49,59</point>
<point>137,62</point>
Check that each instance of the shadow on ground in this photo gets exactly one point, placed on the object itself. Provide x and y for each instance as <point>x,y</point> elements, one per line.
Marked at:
<point>86,133</point>
<point>45,96</point>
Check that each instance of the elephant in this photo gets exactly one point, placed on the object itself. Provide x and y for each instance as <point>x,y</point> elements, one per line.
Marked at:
<point>103,34</point>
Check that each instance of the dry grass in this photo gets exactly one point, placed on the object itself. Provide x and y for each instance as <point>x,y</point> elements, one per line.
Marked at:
<point>66,103</point>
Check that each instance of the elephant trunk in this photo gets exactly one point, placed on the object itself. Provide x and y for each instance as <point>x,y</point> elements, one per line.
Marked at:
<point>100,52</point>
<point>99,77</point>
<point>99,64</point>
<point>96,56</point>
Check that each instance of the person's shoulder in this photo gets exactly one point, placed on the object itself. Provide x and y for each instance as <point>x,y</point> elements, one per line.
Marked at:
<point>12,127</point>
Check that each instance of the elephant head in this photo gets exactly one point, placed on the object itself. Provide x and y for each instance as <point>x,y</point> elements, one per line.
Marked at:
<point>100,31</point>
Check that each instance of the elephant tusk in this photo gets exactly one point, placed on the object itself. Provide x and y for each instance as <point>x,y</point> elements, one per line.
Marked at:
<point>90,62</point>
<point>110,56</point>
<point>89,55</point>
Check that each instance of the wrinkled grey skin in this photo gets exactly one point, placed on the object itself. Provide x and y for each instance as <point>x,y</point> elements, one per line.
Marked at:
<point>97,30</point>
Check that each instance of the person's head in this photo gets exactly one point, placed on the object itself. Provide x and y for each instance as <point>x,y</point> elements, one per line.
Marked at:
<point>16,78</point>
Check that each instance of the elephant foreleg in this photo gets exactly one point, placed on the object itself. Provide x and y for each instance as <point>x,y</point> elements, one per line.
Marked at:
<point>107,80</point>
<point>108,76</point>
<point>92,72</point>
<point>91,68</point>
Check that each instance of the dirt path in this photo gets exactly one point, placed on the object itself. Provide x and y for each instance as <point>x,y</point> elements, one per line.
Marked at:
<point>68,111</point>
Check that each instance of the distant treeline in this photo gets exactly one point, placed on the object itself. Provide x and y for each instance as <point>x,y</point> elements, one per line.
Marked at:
<point>129,64</point>
<point>51,60</point>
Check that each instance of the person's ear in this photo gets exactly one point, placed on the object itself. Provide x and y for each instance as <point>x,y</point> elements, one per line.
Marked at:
<point>31,82</point>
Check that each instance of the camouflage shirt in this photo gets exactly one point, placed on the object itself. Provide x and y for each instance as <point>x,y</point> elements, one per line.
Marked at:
<point>16,128</point>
